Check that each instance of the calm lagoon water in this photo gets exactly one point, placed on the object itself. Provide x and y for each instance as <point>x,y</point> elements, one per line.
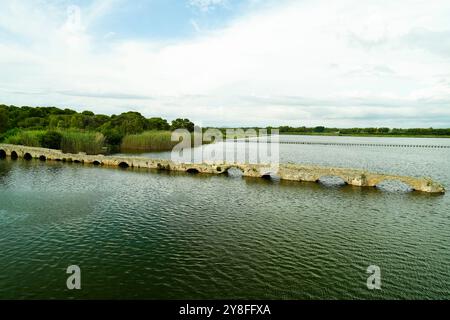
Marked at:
<point>150,235</point>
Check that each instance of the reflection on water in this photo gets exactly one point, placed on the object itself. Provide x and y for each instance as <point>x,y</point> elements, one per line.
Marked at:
<point>151,234</point>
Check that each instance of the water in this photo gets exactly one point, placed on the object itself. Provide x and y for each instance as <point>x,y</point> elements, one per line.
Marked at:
<point>150,235</point>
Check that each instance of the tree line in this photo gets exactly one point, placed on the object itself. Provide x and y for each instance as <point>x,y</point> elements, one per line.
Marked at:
<point>114,128</point>
<point>366,131</point>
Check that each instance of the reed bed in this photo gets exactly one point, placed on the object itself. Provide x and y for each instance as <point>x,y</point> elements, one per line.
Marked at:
<point>148,141</point>
<point>26,138</point>
<point>80,141</point>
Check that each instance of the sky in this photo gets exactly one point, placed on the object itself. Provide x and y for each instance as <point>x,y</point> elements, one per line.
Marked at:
<point>347,63</point>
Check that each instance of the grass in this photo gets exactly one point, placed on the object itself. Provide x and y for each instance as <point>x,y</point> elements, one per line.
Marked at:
<point>80,141</point>
<point>148,141</point>
<point>75,141</point>
<point>72,141</point>
<point>26,138</point>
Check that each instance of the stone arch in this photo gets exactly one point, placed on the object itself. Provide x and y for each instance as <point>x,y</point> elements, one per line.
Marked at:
<point>394,184</point>
<point>267,176</point>
<point>42,158</point>
<point>27,156</point>
<point>270,176</point>
<point>234,171</point>
<point>14,155</point>
<point>2,154</point>
<point>192,171</point>
<point>332,180</point>
<point>96,163</point>
<point>124,165</point>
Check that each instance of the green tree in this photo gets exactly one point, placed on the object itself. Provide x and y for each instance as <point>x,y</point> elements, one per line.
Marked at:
<point>157,124</point>
<point>183,124</point>
<point>319,129</point>
<point>88,113</point>
<point>77,121</point>
<point>33,122</point>
<point>4,119</point>
<point>113,136</point>
<point>129,123</point>
<point>51,140</point>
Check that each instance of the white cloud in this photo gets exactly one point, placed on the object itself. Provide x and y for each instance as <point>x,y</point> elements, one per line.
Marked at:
<point>312,62</point>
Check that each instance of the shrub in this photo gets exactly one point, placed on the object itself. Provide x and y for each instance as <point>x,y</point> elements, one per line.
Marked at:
<point>9,133</point>
<point>51,140</point>
<point>113,136</point>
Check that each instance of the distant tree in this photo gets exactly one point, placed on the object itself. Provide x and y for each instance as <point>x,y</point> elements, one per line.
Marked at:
<point>88,113</point>
<point>36,112</point>
<point>53,121</point>
<point>183,124</point>
<point>397,131</point>
<point>157,124</point>
<point>33,123</point>
<point>63,123</point>
<point>370,130</point>
<point>129,123</point>
<point>114,137</point>
<point>68,112</point>
<point>51,140</point>
<point>319,129</point>
<point>303,129</point>
<point>76,121</point>
<point>100,119</point>
<point>4,119</point>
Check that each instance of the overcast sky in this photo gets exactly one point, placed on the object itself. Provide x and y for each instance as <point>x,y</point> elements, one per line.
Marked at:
<point>236,63</point>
